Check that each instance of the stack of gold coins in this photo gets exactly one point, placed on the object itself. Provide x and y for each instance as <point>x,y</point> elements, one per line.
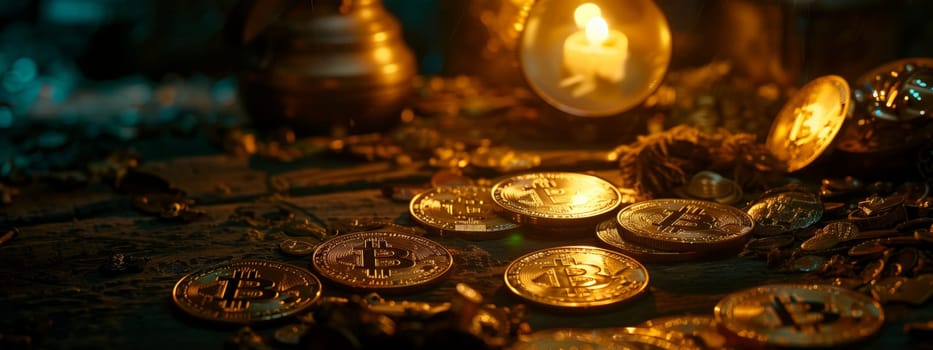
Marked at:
<point>556,201</point>
<point>382,261</point>
<point>692,227</point>
<point>576,277</point>
<point>464,211</point>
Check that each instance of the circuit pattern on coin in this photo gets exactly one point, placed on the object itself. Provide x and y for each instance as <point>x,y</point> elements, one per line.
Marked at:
<point>684,225</point>
<point>464,209</point>
<point>799,315</point>
<point>576,277</point>
<point>246,291</point>
<point>386,261</point>
<point>539,197</point>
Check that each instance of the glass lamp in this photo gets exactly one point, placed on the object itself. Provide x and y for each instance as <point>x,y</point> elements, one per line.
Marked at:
<point>594,58</point>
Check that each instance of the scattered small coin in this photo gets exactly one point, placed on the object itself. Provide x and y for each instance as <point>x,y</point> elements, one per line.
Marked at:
<point>121,263</point>
<point>765,244</point>
<point>8,235</point>
<point>830,235</point>
<point>785,212</point>
<point>296,247</point>
<point>808,263</point>
<point>916,290</point>
<point>710,186</point>
<point>290,334</point>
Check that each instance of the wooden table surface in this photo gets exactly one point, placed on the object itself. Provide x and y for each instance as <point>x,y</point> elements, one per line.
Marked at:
<point>51,284</point>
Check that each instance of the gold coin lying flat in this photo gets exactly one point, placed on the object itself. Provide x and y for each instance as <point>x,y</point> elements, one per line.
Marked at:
<point>566,338</point>
<point>608,233</point>
<point>603,338</point>
<point>807,124</point>
<point>384,261</point>
<point>685,225</point>
<point>797,315</point>
<point>467,211</point>
<point>576,277</point>
<point>558,198</point>
<point>246,291</point>
<point>702,329</point>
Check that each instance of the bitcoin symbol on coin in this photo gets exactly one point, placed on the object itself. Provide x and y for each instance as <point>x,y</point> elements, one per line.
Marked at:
<point>575,279</point>
<point>547,192</point>
<point>685,218</point>
<point>243,286</point>
<point>803,315</point>
<point>379,258</point>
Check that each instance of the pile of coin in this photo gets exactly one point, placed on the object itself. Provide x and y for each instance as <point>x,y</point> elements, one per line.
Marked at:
<point>770,316</point>
<point>548,202</point>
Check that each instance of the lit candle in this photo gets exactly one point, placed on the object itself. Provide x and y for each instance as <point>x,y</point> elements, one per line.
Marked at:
<point>593,52</point>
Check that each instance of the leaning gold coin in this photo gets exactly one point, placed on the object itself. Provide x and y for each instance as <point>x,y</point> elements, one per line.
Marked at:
<point>466,211</point>
<point>246,291</point>
<point>559,198</point>
<point>807,124</point>
<point>384,261</point>
<point>608,233</point>
<point>798,315</point>
<point>576,277</point>
<point>685,225</point>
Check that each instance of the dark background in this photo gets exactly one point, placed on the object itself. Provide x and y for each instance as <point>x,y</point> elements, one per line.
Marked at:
<point>52,49</point>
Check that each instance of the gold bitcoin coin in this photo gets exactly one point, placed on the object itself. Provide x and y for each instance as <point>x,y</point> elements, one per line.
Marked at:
<point>807,124</point>
<point>798,315</point>
<point>556,198</point>
<point>703,330</point>
<point>685,225</point>
<point>384,261</point>
<point>467,211</point>
<point>576,277</point>
<point>566,338</point>
<point>603,338</point>
<point>608,233</point>
<point>785,212</point>
<point>648,338</point>
<point>246,291</point>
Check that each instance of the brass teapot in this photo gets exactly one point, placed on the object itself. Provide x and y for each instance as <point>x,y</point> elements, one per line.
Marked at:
<point>322,66</point>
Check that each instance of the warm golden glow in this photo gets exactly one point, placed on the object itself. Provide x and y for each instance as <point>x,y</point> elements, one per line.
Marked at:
<point>597,31</point>
<point>584,13</point>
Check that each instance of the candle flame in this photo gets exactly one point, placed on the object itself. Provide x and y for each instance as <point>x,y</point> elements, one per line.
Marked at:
<point>584,13</point>
<point>597,31</point>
